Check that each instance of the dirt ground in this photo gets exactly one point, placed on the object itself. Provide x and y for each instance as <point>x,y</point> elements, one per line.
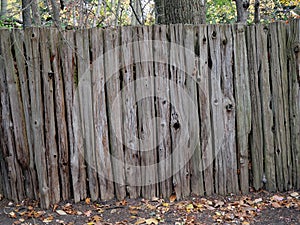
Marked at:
<point>256,208</point>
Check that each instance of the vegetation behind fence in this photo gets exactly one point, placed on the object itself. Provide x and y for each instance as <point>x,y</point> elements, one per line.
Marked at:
<point>149,111</point>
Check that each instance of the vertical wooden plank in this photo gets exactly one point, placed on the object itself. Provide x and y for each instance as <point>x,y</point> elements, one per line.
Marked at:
<point>143,59</point>
<point>37,123</point>
<point>30,176</point>
<point>256,136</point>
<point>161,59</point>
<point>70,78</point>
<point>103,161</point>
<point>86,111</point>
<point>49,116</point>
<point>191,64</point>
<point>229,150</point>
<point>60,113</point>
<point>266,106</point>
<point>280,102</point>
<point>243,103</point>
<point>20,154</point>
<point>205,109</point>
<point>114,115</point>
<point>132,155</point>
<point>7,143</point>
<point>294,101</point>
<point>217,107</point>
<point>179,124</point>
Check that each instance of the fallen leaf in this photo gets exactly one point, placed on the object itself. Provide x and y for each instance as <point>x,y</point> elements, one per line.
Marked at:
<point>258,200</point>
<point>61,212</point>
<point>96,218</point>
<point>48,219</point>
<point>88,213</point>
<point>276,205</point>
<point>113,211</point>
<point>140,221</point>
<point>294,194</point>
<point>88,201</point>
<point>173,198</point>
<point>151,221</point>
<point>277,198</point>
<point>165,204</point>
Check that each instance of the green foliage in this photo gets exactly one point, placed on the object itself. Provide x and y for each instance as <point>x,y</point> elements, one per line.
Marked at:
<point>220,11</point>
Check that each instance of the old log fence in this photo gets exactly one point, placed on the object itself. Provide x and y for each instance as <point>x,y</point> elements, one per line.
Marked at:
<point>149,111</point>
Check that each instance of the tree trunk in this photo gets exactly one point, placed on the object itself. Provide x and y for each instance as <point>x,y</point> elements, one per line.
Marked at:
<point>26,13</point>
<point>55,13</point>
<point>180,11</point>
<point>3,7</point>
<point>137,17</point>
<point>242,10</point>
<point>35,13</point>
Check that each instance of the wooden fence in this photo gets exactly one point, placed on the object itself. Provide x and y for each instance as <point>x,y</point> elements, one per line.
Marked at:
<point>149,111</point>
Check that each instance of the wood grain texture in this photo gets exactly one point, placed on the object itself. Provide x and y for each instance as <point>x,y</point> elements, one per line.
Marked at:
<point>243,104</point>
<point>114,108</point>
<point>162,106</point>
<point>102,154</point>
<point>129,109</point>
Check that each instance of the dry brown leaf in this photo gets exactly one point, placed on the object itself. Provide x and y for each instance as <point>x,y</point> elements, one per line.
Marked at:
<point>140,221</point>
<point>48,219</point>
<point>151,221</point>
<point>88,201</point>
<point>276,205</point>
<point>61,212</point>
<point>294,194</point>
<point>277,198</point>
<point>173,198</point>
<point>88,213</point>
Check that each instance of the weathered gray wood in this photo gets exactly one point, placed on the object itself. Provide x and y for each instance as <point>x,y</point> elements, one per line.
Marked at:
<point>69,66</point>
<point>49,117</point>
<point>229,110</point>
<point>243,103</point>
<point>60,114</point>
<point>266,104</point>
<point>161,60</point>
<point>205,109</point>
<point>36,105</point>
<point>217,108</point>
<point>143,59</point>
<point>30,176</point>
<point>129,109</point>
<point>114,115</point>
<point>7,140</point>
<point>191,70</point>
<point>294,101</point>
<point>179,122</point>
<point>256,137</point>
<point>86,111</point>
<point>20,152</point>
<point>103,161</point>
<point>279,81</point>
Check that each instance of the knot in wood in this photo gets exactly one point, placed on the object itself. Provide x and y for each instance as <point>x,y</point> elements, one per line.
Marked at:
<point>296,49</point>
<point>214,34</point>
<point>229,107</point>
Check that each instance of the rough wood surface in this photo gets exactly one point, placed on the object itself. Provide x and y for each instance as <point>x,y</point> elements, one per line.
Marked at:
<point>266,104</point>
<point>294,101</point>
<point>60,114</point>
<point>217,106</point>
<point>114,110</point>
<point>191,65</point>
<point>129,109</point>
<point>86,113</point>
<point>179,118</point>
<point>204,111</point>
<point>30,176</point>
<point>143,59</point>
<point>229,110</point>
<point>162,106</point>
<point>243,104</point>
<point>49,117</point>
<point>102,154</point>
<point>279,81</point>
<point>117,118</point>
<point>256,137</point>
<point>36,106</point>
